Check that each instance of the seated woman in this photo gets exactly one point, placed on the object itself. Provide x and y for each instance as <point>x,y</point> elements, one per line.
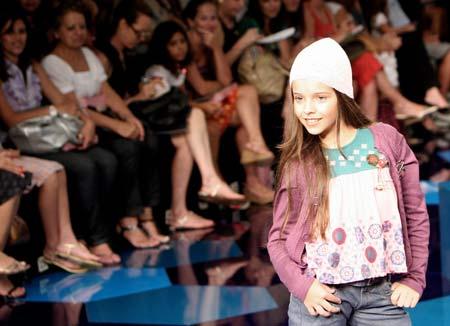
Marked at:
<point>130,21</point>
<point>78,73</point>
<point>62,248</point>
<point>90,170</point>
<point>208,75</point>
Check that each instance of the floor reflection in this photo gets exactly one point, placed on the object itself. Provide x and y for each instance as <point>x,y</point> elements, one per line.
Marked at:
<point>204,277</point>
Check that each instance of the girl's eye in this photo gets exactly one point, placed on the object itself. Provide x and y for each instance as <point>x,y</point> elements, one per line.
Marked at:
<point>322,98</point>
<point>298,98</point>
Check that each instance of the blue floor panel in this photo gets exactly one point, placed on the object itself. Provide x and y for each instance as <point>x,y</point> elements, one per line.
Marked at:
<point>434,312</point>
<point>182,253</point>
<point>95,285</point>
<point>445,155</point>
<point>181,305</point>
<point>431,191</point>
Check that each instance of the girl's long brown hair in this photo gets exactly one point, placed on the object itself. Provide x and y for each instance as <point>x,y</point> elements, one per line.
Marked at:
<point>300,149</point>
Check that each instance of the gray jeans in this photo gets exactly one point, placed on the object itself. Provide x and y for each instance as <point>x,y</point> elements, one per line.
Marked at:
<point>361,305</point>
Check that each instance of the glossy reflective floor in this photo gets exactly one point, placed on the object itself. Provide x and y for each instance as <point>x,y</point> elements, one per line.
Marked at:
<point>206,277</point>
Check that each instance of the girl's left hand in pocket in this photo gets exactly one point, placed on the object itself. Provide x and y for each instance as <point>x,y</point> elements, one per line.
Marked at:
<point>404,296</point>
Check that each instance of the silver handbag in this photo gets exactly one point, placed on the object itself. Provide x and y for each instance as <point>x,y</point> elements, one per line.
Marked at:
<point>46,133</point>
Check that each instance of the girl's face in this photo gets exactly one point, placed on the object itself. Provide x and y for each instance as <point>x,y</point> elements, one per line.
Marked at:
<point>316,107</point>
<point>73,31</point>
<point>132,34</point>
<point>231,8</point>
<point>14,39</point>
<point>177,47</point>
<point>206,18</point>
<point>291,5</point>
<point>270,8</point>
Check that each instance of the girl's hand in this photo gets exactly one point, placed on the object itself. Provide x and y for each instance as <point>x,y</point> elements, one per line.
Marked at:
<point>318,300</point>
<point>210,39</point>
<point>250,37</point>
<point>87,135</point>
<point>6,162</point>
<point>138,124</point>
<point>404,296</point>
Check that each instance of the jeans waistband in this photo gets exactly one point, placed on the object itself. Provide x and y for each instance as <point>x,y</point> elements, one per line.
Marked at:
<point>367,282</point>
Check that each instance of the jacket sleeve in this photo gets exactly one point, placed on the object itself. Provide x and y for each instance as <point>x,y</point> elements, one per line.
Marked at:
<point>417,219</point>
<point>290,272</point>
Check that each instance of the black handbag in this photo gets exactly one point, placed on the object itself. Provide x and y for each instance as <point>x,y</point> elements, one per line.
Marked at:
<point>165,115</point>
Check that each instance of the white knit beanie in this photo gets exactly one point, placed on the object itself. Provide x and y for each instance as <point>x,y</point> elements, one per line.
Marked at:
<point>324,61</point>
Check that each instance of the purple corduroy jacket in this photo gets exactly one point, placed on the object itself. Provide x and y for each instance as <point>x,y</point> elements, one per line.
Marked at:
<point>287,245</point>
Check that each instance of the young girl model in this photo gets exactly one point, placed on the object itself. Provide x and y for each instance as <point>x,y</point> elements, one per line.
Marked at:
<point>349,214</point>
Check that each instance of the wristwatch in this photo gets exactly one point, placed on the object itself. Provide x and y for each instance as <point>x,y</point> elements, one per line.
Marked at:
<point>52,111</point>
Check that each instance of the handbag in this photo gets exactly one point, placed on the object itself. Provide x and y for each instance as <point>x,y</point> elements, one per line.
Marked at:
<point>165,115</point>
<point>47,133</point>
<point>262,69</point>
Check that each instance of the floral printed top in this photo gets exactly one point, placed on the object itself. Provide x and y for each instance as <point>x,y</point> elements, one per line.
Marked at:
<point>23,92</point>
<point>364,237</point>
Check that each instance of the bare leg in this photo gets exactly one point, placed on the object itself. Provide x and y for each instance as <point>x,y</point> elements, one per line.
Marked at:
<point>198,141</point>
<point>248,110</point>
<point>181,217</point>
<point>368,100</point>
<point>54,208</point>
<point>7,211</point>
<point>181,172</point>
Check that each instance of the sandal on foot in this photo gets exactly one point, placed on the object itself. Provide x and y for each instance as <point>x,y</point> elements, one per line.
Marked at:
<point>121,229</point>
<point>63,263</point>
<point>189,221</point>
<point>15,267</point>
<point>69,255</point>
<point>251,157</point>
<point>213,196</point>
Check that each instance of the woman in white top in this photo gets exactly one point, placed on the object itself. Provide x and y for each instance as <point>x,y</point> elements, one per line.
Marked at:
<point>79,74</point>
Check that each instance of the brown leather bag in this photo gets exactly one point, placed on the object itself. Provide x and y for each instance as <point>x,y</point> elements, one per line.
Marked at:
<point>262,69</point>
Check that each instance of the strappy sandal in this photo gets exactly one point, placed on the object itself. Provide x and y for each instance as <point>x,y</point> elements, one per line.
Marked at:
<point>15,267</point>
<point>84,262</point>
<point>213,197</point>
<point>121,229</point>
<point>161,238</point>
<point>182,222</point>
